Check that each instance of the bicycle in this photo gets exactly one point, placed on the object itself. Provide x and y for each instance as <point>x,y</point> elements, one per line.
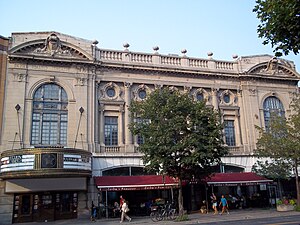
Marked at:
<point>167,212</point>
<point>155,211</point>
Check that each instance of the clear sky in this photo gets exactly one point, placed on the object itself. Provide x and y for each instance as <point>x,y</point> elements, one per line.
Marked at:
<point>224,27</point>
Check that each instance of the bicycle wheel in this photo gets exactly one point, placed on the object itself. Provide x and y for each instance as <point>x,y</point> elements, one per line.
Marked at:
<point>153,216</point>
<point>161,215</point>
<point>172,214</point>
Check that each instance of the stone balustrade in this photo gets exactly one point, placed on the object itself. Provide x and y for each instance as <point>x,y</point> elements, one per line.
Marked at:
<point>126,56</point>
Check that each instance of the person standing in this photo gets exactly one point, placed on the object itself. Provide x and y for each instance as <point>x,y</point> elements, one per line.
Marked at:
<point>214,203</point>
<point>93,212</point>
<point>224,204</point>
<point>125,210</point>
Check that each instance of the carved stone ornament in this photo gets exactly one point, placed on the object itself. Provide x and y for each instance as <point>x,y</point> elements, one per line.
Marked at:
<point>141,92</point>
<point>274,66</point>
<point>20,77</point>
<point>80,81</point>
<point>228,98</point>
<point>53,46</point>
<point>158,86</point>
<point>200,91</point>
<point>110,91</point>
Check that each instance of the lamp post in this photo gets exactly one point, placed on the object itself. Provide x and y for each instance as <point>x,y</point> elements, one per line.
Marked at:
<point>81,110</point>
<point>18,107</point>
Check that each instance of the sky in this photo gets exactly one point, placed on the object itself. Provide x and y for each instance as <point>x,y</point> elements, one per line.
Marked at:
<point>224,27</point>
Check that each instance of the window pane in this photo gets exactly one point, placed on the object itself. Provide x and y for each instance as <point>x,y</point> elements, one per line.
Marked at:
<point>229,132</point>
<point>272,105</point>
<point>111,130</point>
<point>49,118</point>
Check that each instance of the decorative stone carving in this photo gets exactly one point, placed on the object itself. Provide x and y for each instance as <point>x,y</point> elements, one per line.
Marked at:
<point>204,93</point>
<point>187,89</point>
<point>252,91</point>
<point>82,69</point>
<point>141,92</point>
<point>20,77</point>
<point>272,66</point>
<point>173,88</point>
<point>228,98</point>
<point>81,81</point>
<point>158,86</point>
<point>53,46</point>
<point>127,84</point>
<point>110,91</point>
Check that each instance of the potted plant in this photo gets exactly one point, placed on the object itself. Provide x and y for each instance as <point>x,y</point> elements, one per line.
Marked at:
<point>284,205</point>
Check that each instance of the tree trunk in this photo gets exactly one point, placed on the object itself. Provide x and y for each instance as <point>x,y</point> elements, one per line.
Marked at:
<point>180,198</point>
<point>297,183</point>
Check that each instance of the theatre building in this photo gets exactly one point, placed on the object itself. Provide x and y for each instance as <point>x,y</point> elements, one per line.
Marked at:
<point>64,137</point>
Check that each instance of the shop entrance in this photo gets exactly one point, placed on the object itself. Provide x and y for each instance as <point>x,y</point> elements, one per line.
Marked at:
<point>44,207</point>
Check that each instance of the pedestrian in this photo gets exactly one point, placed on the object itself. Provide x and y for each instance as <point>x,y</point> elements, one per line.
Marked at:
<point>214,203</point>
<point>116,209</point>
<point>125,210</point>
<point>224,204</point>
<point>93,212</point>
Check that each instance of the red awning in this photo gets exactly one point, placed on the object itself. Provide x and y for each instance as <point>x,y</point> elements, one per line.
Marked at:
<point>234,179</point>
<point>128,183</point>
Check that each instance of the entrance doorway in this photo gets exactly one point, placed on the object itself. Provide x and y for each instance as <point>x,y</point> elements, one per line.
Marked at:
<point>46,206</point>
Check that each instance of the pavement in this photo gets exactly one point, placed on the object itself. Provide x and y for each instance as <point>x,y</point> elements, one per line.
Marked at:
<point>194,218</point>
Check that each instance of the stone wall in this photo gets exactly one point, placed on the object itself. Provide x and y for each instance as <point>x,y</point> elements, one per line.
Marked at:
<point>6,205</point>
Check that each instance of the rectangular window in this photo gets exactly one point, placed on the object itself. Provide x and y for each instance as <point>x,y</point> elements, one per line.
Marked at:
<point>35,128</point>
<point>49,129</point>
<point>111,130</point>
<point>229,132</point>
<point>140,138</point>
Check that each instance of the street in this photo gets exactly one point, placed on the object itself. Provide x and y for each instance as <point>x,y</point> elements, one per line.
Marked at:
<point>236,217</point>
<point>291,220</point>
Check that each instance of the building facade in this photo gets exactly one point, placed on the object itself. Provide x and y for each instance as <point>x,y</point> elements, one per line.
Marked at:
<point>65,115</point>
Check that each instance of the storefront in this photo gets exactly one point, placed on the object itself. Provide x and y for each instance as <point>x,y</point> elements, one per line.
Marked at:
<point>243,190</point>
<point>138,190</point>
<point>45,184</point>
<point>45,206</point>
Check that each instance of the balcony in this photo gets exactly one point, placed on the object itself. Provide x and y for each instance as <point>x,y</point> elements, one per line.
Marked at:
<point>45,162</point>
<point>237,150</point>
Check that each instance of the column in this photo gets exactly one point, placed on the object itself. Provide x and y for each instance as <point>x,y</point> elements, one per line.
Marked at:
<point>214,93</point>
<point>128,135</point>
<point>101,124</point>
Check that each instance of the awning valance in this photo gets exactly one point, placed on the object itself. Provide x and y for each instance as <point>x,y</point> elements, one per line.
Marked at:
<point>234,179</point>
<point>128,183</point>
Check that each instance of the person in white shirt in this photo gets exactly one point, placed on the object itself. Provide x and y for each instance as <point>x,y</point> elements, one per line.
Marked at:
<point>124,210</point>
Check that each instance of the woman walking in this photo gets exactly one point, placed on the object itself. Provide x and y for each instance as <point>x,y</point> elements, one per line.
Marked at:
<point>125,210</point>
<point>214,203</point>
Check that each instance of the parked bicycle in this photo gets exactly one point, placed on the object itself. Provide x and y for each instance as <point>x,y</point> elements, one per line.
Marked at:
<point>164,212</point>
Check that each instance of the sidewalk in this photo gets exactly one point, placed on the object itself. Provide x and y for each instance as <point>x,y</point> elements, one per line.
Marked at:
<point>193,218</point>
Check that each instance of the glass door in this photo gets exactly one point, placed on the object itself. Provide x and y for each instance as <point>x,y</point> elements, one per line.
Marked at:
<point>23,205</point>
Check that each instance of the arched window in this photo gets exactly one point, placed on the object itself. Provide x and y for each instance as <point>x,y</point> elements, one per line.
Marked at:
<point>49,116</point>
<point>272,106</point>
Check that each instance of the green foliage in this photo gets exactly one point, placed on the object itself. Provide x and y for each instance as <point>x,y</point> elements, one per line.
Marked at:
<point>281,142</point>
<point>280,24</point>
<point>182,137</point>
<point>275,169</point>
<point>297,208</point>
<point>183,217</point>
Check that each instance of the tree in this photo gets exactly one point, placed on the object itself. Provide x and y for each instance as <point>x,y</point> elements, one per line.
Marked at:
<point>182,137</point>
<point>280,24</point>
<point>273,169</point>
<point>280,142</point>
